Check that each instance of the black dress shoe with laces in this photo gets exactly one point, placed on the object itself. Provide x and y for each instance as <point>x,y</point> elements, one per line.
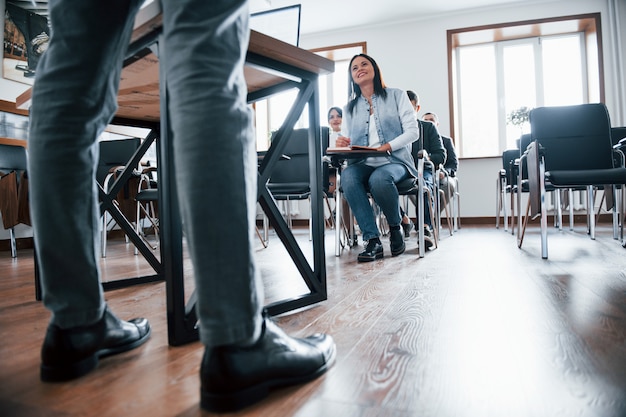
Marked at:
<point>396,242</point>
<point>373,251</point>
<point>71,353</point>
<point>235,377</point>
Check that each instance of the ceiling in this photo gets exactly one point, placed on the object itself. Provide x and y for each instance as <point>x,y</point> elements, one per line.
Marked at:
<point>324,15</point>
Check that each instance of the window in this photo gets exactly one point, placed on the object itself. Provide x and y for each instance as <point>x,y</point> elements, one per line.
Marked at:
<point>333,91</point>
<point>499,69</point>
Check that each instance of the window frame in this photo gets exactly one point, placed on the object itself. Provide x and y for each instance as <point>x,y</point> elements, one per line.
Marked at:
<point>587,24</point>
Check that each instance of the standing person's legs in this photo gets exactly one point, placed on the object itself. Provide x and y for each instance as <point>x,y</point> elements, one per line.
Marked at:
<point>216,163</point>
<point>205,43</point>
<point>74,97</point>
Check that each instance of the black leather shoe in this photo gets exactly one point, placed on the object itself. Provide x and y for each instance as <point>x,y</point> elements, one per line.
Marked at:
<point>235,377</point>
<point>71,353</point>
<point>373,251</point>
<point>396,242</point>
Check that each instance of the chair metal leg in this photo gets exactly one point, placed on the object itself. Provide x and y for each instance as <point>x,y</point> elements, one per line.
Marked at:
<point>558,209</point>
<point>522,226</point>
<point>571,208</point>
<point>446,204</point>
<point>420,209</point>
<point>103,236</point>
<point>544,214</point>
<point>592,222</point>
<point>498,201</point>
<point>457,215</point>
<point>13,243</point>
<point>338,217</point>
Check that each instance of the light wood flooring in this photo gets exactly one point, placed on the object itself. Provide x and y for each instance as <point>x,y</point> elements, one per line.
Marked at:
<point>476,328</point>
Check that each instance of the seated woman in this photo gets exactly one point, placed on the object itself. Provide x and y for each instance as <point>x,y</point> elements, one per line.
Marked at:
<point>383,118</point>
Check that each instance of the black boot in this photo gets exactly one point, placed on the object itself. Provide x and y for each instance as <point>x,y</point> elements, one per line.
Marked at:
<point>396,241</point>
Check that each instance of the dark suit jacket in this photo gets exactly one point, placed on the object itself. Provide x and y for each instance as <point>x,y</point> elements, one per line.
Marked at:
<point>452,162</point>
<point>431,141</point>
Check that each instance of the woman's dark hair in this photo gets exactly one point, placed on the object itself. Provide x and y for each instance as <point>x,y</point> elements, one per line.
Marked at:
<point>337,109</point>
<point>354,91</point>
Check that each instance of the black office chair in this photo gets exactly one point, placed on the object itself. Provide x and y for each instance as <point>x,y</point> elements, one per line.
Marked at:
<point>146,200</point>
<point>114,155</point>
<point>449,200</point>
<point>618,138</point>
<point>13,190</point>
<point>290,178</point>
<point>571,148</point>
<point>506,185</point>
<point>415,190</point>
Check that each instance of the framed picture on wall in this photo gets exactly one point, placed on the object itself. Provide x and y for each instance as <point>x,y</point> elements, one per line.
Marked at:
<point>26,36</point>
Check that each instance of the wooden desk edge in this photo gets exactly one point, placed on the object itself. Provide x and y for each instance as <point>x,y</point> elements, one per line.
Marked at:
<point>14,142</point>
<point>260,44</point>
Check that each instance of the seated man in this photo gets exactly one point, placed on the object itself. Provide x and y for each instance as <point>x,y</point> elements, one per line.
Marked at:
<point>430,141</point>
<point>446,182</point>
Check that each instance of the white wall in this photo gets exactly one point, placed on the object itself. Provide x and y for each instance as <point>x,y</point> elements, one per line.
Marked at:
<point>413,55</point>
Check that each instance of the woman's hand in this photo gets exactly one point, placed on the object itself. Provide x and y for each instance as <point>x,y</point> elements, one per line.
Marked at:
<point>384,148</point>
<point>342,141</point>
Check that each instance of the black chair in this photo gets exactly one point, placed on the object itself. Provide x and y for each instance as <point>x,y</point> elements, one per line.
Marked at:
<point>417,191</point>
<point>146,200</point>
<point>13,190</point>
<point>114,155</point>
<point>450,200</point>
<point>571,148</point>
<point>506,185</point>
<point>618,137</point>
<point>290,178</point>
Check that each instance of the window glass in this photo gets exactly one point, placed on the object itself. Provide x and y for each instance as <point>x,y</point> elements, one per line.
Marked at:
<point>518,60</point>
<point>500,72</point>
<point>478,100</point>
<point>562,70</point>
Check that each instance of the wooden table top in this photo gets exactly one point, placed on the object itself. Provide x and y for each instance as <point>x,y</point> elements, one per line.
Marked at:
<point>138,97</point>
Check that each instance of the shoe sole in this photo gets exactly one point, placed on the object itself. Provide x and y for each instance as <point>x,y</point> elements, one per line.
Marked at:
<point>398,251</point>
<point>370,258</point>
<point>234,401</point>
<point>78,369</point>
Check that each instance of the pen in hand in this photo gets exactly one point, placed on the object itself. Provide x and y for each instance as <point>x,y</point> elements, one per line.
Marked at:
<point>342,141</point>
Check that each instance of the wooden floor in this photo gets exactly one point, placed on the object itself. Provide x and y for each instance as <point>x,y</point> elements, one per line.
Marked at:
<point>476,328</point>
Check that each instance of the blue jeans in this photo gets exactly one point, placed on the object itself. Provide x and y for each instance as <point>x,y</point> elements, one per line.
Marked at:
<point>75,96</point>
<point>359,179</point>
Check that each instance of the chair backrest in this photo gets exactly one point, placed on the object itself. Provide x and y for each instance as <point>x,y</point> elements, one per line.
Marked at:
<point>573,137</point>
<point>12,158</point>
<point>295,168</point>
<point>508,157</point>
<point>524,141</point>
<point>617,134</point>
<point>325,133</point>
<point>115,153</point>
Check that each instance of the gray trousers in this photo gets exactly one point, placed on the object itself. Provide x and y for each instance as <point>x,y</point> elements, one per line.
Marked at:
<point>75,97</point>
